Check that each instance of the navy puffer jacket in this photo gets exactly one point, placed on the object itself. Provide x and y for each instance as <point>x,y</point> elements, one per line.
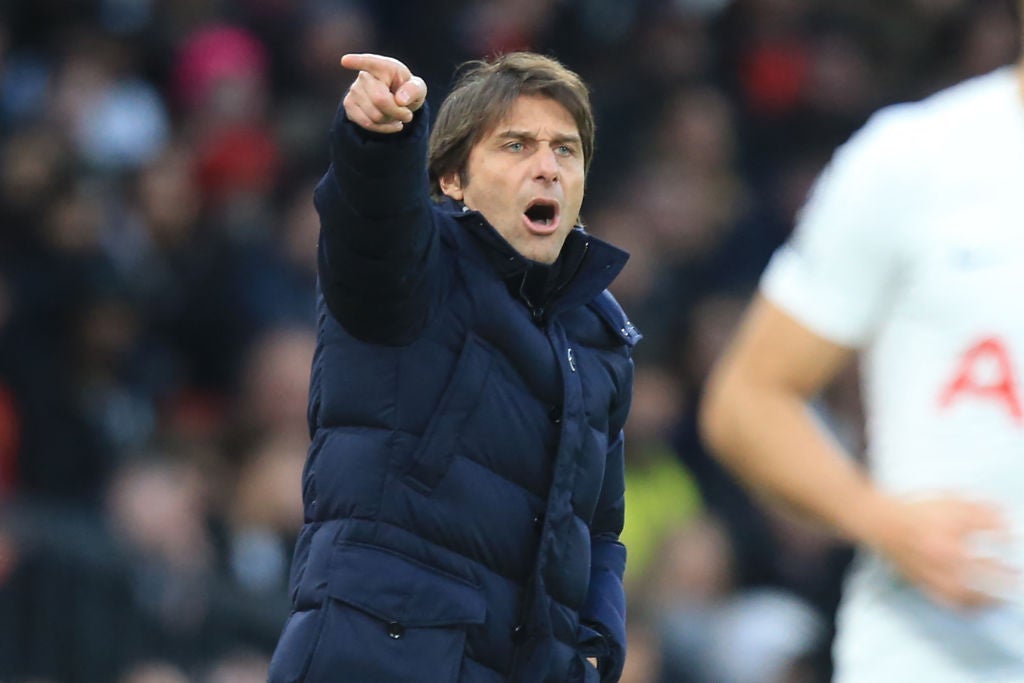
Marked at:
<point>464,487</point>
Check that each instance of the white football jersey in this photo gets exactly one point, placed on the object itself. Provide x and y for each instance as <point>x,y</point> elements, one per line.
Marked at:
<point>911,249</point>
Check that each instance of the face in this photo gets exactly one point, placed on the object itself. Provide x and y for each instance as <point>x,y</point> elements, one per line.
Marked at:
<point>526,177</point>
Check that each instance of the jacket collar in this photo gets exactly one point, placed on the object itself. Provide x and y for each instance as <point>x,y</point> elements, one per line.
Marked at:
<point>585,267</point>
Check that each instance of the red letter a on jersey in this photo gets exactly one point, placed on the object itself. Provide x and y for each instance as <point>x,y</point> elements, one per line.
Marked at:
<point>985,372</point>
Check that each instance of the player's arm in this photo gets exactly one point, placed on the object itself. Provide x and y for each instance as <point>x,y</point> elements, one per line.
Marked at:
<point>378,242</point>
<point>755,416</point>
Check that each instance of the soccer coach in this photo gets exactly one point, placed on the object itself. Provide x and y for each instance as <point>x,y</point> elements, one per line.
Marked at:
<point>464,486</point>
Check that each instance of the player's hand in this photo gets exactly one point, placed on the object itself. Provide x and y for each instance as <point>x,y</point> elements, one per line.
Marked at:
<point>949,547</point>
<point>384,95</point>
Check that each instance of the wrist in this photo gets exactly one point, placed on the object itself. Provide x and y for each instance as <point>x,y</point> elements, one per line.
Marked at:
<point>877,519</point>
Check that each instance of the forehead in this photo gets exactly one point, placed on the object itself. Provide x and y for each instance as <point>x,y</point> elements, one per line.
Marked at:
<point>536,114</point>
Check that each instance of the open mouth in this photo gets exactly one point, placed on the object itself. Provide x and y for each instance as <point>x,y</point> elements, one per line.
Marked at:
<point>542,215</point>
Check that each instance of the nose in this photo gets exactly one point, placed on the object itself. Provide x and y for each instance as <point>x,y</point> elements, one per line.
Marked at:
<point>546,164</point>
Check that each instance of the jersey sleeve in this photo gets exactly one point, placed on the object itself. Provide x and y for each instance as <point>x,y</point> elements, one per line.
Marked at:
<point>835,271</point>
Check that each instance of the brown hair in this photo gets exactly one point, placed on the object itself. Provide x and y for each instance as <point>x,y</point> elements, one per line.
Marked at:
<point>484,94</point>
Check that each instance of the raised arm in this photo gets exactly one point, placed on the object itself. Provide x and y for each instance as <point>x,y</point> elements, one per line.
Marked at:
<point>378,242</point>
<point>755,416</point>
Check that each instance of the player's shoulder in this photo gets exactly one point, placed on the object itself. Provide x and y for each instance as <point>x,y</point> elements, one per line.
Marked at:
<point>953,110</point>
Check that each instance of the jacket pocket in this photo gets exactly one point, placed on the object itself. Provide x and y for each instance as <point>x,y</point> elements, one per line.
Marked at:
<point>389,619</point>
<point>433,454</point>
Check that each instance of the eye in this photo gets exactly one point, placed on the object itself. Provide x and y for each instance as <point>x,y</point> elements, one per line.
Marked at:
<point>514,146</point>
<point>565,150</point>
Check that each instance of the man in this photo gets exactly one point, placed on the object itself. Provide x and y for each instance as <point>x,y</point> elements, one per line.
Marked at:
<point>464,487</point>
<point>911,251</point>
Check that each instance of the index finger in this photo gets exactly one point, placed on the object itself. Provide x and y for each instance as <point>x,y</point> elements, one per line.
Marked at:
<point>386,69</point>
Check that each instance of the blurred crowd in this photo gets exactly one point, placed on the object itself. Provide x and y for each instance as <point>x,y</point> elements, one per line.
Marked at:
<point>157,265</point>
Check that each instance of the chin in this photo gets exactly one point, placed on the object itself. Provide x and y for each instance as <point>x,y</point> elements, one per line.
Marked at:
<point>545,257</point>
<point>542,251</point>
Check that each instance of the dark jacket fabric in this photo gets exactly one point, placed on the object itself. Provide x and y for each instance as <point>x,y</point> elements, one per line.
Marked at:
<point>464,486</point>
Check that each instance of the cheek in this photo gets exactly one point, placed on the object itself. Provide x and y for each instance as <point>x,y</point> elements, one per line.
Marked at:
<point>576,193</point>
<point>576,180</point>
<point>493,202</point>
<point>501,196</point>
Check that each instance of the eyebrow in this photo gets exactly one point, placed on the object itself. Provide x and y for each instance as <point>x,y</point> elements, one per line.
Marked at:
<point>524,135</point>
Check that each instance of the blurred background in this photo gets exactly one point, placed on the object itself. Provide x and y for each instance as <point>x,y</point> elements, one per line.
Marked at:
<point>157,262</point>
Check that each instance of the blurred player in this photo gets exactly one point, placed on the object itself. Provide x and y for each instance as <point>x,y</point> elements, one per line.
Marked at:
<point>910,252</point>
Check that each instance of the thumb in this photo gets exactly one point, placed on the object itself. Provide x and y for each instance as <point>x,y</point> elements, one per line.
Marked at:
<point>412,93</point>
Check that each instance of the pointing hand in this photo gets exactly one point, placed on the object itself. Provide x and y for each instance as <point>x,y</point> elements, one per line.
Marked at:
<point>384,95</point>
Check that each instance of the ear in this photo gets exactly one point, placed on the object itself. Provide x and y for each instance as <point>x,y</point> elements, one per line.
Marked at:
<point>451,186</point>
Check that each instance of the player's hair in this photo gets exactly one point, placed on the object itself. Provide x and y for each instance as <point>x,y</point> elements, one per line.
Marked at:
<point>484,94</point>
